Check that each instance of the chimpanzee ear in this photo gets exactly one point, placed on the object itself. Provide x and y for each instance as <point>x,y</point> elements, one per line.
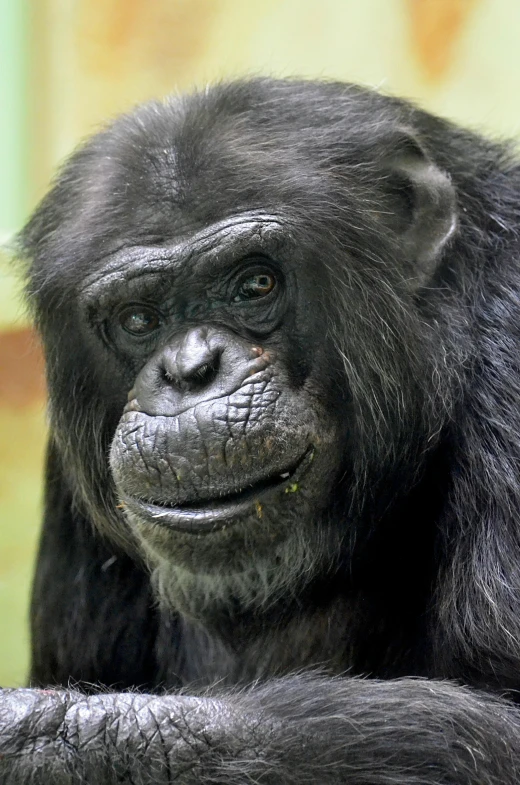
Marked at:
<point>425,206</point>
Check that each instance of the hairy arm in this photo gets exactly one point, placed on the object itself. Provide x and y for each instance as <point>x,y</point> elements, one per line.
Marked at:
<point>295,730</point>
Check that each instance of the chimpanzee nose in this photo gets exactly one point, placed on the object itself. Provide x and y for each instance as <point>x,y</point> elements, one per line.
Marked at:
<point>194,364</point>
<point>203,364</point>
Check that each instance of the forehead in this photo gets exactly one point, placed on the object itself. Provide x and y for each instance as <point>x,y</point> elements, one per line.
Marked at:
<point>200,160</point>
<point>169,169</point>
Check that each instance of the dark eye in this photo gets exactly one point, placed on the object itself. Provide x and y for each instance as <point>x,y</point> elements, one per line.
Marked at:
<point>255,286</point>
<point>139,319</point>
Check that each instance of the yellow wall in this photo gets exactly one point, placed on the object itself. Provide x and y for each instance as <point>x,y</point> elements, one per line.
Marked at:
<point>92,58</point>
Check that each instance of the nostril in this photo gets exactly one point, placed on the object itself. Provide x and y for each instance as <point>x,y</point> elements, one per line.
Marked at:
<point>166,375</point>
<point>204,374</point>
<point>187,373</point>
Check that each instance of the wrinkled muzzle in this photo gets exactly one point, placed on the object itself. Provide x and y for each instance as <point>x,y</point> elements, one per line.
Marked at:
<point>209,451</point>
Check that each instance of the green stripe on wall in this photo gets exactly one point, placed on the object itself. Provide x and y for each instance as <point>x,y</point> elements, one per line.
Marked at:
<point>13,114</point>
<point>13,141</point>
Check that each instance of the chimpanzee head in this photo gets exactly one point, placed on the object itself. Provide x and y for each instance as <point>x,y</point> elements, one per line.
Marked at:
<point>229,287</point>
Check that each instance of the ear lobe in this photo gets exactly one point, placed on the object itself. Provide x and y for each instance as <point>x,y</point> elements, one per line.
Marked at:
<point>429,199</point>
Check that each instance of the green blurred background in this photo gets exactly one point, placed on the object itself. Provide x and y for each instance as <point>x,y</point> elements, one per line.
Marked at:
<point>65,65</point>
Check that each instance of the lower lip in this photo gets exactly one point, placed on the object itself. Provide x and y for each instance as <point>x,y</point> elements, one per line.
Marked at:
<point>204,520</point>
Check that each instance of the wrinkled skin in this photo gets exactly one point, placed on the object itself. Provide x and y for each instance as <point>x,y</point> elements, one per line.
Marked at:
<point>229,429</point>
<point>282,328</point>
<point>226,432</point>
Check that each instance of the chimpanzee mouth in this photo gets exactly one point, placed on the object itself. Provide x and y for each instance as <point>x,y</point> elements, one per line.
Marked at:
<point>210,515</point>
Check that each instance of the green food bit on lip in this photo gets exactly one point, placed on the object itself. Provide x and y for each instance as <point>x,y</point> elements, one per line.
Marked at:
<point>292,488</point>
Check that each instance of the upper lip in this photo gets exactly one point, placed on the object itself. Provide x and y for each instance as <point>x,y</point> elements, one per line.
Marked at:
<point>206,515</point>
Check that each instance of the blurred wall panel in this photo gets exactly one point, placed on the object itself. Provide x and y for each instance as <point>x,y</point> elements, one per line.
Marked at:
<point>457,57</point>
<point>68,65</point>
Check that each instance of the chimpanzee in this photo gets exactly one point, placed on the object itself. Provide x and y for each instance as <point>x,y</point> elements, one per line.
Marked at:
<point>282,524</point>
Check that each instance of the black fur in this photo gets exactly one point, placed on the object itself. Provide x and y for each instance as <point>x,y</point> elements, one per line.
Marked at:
<point>358,622</point>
